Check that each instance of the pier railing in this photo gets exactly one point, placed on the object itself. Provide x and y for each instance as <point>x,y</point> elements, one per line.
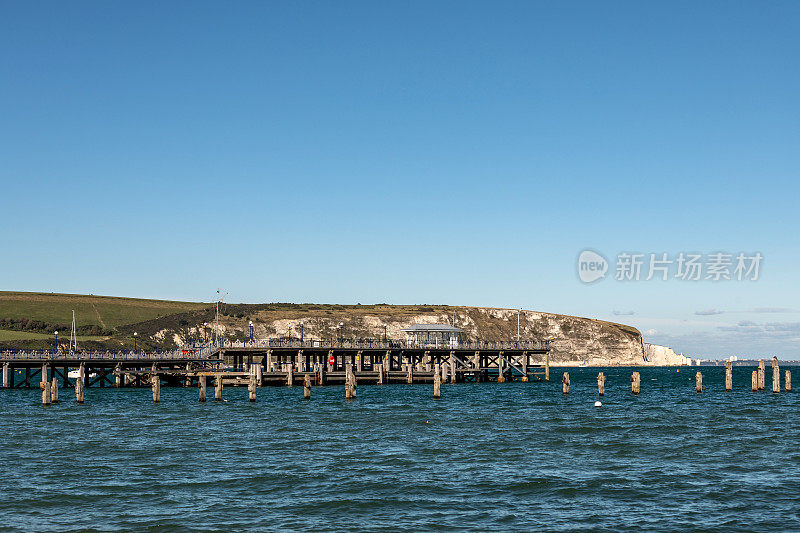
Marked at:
<point>102,355</point>
<point>385,344</point>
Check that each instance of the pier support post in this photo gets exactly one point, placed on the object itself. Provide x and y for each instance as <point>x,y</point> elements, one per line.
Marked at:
<point>156,385</point>
<point>437,381</point>
<point>453,378</point>
<point>636,383</point>
<point>601,384</point>
<point>547,366</point>
<point>54,390</point>
<point>698,382</point>
<point>187,382</point>
<point>218,388</point>
<point>269,361</point>
<point>118,377</point>
<point>46,390</point>
<point>381,375</point>
<point>761,373</point>
<point>525,366</point>
<point>290,376</point>
<point>359,361</point>
<point>349,382</point>
<point>251,386</point>
<point>501,374</point>
<point>6,368</point>
<point>201,383</point>
<point>755,380</point>
<point>787,385</point>
<point>426,361</point>
<point>776,375</point>
<point>259,375</point>
<point>565,383</point>
<point>728,376</point>
<point>44,379</point>
<point>410,373</point>
<point>307,387</point>
<point>79,383</point>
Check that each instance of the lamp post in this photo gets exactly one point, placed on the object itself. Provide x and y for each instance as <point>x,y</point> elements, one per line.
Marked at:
<point>301,333</point>
<point>134,341</point>
<point>56,342</point>
<point>341,333</point>
<point>251,332</point>
<point>385,334</point>
<point>205,333</point>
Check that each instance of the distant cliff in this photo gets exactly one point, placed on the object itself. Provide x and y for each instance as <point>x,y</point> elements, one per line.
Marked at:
<point>575,340</point>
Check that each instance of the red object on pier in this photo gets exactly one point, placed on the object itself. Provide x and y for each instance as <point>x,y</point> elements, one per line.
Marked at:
<point>331,360</point>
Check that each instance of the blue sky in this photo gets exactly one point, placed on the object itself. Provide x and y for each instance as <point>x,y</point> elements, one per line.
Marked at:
<point>449,152</point>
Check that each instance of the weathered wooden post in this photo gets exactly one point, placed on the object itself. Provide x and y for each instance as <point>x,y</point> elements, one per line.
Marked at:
<point>201,383</point>
<point>187,379</point>
<point>452,367</point>
<point>79,383</point>
<point>6,369</point>
<point>755,380</point>
<point>636,382</point>
<point>787,386</point>
<point>437,381</point>
<point>501,375</point>
<point>44,377</point>
<point>307,387</point>
<point>761,375</point>
<point>698,382</point>
<point>251,386</point>
<point>156,384</point>
<point>547,366</point>
<point>410,373</point>
<point>218,387</point>
<point>565,383</point>
<point>54,390</point>
<point>45,386</point>
<point>359,362</point>
<point>349,382</point>
<point>728,376</point>
<point>601,384</point>
<point>776,375</point>
<point>444,372</point>
<point>118,377</point>
<point>290,376</point>
<point>259,375</point>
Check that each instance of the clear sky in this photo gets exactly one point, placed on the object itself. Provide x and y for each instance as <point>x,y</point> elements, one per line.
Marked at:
<point>410,152</point>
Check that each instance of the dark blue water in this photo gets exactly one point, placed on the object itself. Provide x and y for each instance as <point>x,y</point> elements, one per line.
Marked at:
<point>513,456</point>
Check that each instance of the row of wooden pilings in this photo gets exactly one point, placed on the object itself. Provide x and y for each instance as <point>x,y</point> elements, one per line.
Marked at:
<point>636,383</point>
<point>758,379</point>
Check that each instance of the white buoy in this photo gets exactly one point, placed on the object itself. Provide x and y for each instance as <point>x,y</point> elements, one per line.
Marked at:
<point>598,404</point>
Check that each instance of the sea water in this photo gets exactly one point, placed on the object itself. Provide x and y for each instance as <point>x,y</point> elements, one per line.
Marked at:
<point>508,457</point>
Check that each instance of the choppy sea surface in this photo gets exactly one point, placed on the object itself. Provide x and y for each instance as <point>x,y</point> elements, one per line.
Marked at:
<point>500,457</point>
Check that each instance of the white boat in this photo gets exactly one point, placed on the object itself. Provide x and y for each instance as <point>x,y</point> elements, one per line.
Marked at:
<point>75,374</point>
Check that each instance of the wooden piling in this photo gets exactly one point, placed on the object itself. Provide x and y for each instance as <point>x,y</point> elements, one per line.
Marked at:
<point>547,366</point>
<point>452,367</point>
<point>218,387</point>
<point>155,383</point>
<point>307,387</point>
<point>437,381</point>
<point>698,382</point>
<point>776,376</point>
<point>201,383</point>
<point>728,376</point>
<point>601,384</point>
<point>54,390</point>
<point>290,376</point>
<point>349,382</point>
<point>46,392</point>
<point>381,377</point>
<point>79,383</point>
<point>761,373</point>
<point>251,387</point>
<point>565,383</point>
<point>501,375</point>
<point>6,369</point>
<point>410,373</point>
<point>755,380</point>
<point>787,386</point>
<point>636,382</point>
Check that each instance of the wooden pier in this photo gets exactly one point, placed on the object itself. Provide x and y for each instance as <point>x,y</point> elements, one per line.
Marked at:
<point>278,363</point>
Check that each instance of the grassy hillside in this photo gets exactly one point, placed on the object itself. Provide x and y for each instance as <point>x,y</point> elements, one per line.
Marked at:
<point>105,311</point>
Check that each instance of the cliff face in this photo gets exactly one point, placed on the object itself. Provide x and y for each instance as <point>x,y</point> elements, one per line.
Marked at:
<point>663,356</point>
<point>575,340</point>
